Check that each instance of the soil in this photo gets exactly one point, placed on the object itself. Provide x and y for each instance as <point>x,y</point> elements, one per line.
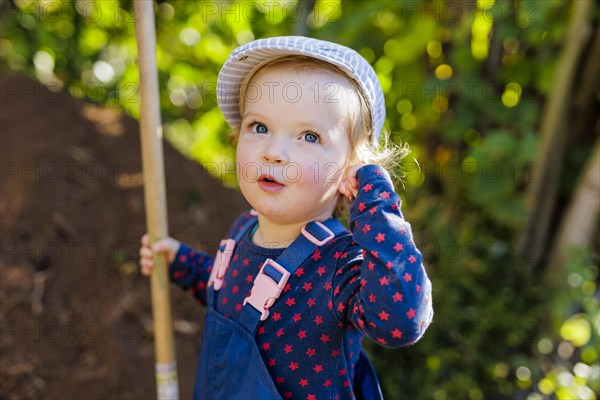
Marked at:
<point>75,313</point>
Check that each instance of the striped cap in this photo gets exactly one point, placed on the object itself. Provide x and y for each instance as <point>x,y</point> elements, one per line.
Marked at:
<point>249,57</point>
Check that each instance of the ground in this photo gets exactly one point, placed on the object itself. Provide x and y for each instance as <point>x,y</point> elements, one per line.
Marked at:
<point>75,313</point>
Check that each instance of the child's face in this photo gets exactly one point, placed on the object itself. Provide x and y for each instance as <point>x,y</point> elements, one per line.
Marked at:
<point>293,144</point>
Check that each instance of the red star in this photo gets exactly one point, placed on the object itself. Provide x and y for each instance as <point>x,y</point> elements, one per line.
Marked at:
<point>384,195</point>
<point>272,362</point>
<point>372,298</point>
<point>293,366</point>
<point>300,271</point>
<point>335,353</point>
<point>380,237</point>
<point>321,271</point>
<point>318,320</point>
<point>327,286</point>
<point>316,255</point>
<point>287,395</point>
<point>287,287</point>
<point>341,307</point>
<point>249,278</point>
<point>290,302</point>
<point>182,258</point>
<point>238,307</point>
<point>411,313</point>
<point>342,372</point>
<point>280,332</point>
<point>261,330</point>
<point>328,383</point>
<point>276,316</point>
<point>279,380</point>
<point>384,281</point>
<point>337,255</point>
<point>318,368</point>
<point>383,315</point>
<point>397,297</point>
<point>297,317</point>
<point>368,187</point>
<point>266,346</point>
<point>235,289</point>
<point>366,228</point>
<point>378,172</point>
<point>418,289</point>
<point>361,207</point>
<point>303,382</point>
<point>412,259</point>
<point>288,349</point>
<point>246,262</point>
<point>381,340</point>
<point>311,397</point>
<point>375,253</point>
<point>234,273</point>
<point>371,265</point>
<point>397,333</point>
<point>407,277</point>
<point>325,338</point>
<point>389,265</point>
<point>307,286</point>
<point>373,210</point>
<point>302,334</point>
<point>398,247</point>
<point>224,300</point>
<point>310,352</point>
<point>311,302</point>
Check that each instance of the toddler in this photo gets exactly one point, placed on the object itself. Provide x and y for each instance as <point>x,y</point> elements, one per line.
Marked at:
<point>291,293</point>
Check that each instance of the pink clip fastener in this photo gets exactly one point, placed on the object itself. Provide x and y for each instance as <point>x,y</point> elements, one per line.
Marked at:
<point>310,237</point>
<point>265,290</point>
<point>221,264</point>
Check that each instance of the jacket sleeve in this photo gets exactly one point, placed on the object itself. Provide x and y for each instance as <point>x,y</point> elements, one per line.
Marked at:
<point>191,269</point>
<point>381,286</point>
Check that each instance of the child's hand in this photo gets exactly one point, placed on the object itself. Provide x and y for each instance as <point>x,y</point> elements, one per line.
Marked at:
<point>349,184</point>
<point>168,246</point>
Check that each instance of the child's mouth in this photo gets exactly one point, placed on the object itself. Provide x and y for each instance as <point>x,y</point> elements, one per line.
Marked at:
<point>269,184</point>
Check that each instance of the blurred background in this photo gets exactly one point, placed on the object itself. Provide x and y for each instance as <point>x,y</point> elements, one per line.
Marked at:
<point>498,100</point>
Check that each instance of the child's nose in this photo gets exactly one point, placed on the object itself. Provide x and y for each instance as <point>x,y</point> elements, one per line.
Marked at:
<point>275,152</point>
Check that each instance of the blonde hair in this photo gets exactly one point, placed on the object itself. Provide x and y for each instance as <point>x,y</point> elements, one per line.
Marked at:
<point>361,134</point>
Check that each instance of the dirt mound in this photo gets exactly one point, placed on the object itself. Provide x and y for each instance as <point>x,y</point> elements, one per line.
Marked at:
<point>75,313</point>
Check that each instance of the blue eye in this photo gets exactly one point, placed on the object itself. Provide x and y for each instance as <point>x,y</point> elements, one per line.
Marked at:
<point>311,137</point>
<point>257,127</point>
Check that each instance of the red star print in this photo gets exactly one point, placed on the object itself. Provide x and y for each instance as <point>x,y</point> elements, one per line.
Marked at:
<point>407,277</point>
<point>378,172</point>
<point>279,380</point>
<point>321,271</point>
<point>182,258</point>
<point>340,307</point>
<point>380,237</point>
<point>235,289</point>
<point>418,289</point>
<point>383,315</point>
<point>287,287</point>
<point>302,334</point>
<point>318,368</point>
<point>249,278</point>
<point>361,207</point>
<point>327,286</point>
<point>276,316</point>
<point>297,317</point>
<point>303,382</point>
<point>381,340</point>
<point>266,346</point>
<point>235,257</point>
<point>293,366</point>
<point>310,352</point>
<point>394,207</point>
<point>288,348</point>
<point>224,300</point>
<point>372,298</point>
<point>389,265</point>
<point>272,362</point>
<point>397,333</point>
<point>300,271</point>
<point>368,187</point>
<point>373,210</point>
<point>384,281</point>
<point>384,195</point>
<point>342,372</point>
<point>328,383</point>
<point>337,255</point>
<point>311,302</point>
<point>280,332</point>
<point>375,253</point>
<point>316,255</point>
<point>366,228</point>
<point>238,307</point>
<point>307,286</point>
<point>411,313</point>
<point>287,395</point>
<point>234,273</point>
<point>335,353</point>
<point>371,265</point>
<point>261,330</point>
<point>290,302</point>
<point>398,247</point>
<point>318,320</point>
<point>311,397</point>
<point>397,297</point>
<point>412,259</point>
<point>324,338</point>
<point>246,262</point>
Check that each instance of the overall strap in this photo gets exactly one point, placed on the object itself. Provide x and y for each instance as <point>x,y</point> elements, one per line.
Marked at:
<point>223,257</point>
<point>274,274</point>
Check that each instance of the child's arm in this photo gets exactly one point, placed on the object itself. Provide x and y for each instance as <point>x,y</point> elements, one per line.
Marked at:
<point>188,268</point>
<point>387,295</point>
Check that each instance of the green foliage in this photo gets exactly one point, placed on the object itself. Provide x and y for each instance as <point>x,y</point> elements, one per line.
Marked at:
<point>464,84</point>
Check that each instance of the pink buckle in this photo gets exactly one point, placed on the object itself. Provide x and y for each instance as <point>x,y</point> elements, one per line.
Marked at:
<point>265,290</point>
<point>310,237</point>
<point>221,263</point>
